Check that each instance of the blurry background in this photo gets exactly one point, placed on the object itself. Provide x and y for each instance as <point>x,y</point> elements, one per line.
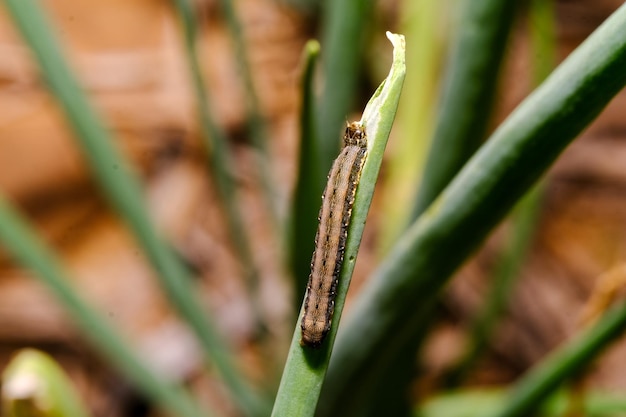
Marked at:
<point>130,60</point>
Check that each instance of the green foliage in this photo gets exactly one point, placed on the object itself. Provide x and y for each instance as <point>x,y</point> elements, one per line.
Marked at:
<point>124,193</point>
<point>306,367</point>
<point>22,242</point>
<point>544,378</point>
<point>400,293</point>
<point>303,220</point>
<point>373,357</point>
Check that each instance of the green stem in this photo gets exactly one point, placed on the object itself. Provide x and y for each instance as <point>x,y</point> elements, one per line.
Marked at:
<point>24,245</point>
<point>124,192</point>
<point>396,300</point>
<point>477,403</point>
<point>422,21</point>
<point>306,367</point>
<point>507,270</point>
<point>543,379</point>
<point>468,95</point>
<point>344,29</point>
<point>256,127</point>
<point>305,201</point>
<point>525,215</point>
<point>219,158</point>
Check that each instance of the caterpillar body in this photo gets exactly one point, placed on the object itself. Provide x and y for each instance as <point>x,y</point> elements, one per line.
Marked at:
<point>332,233</point>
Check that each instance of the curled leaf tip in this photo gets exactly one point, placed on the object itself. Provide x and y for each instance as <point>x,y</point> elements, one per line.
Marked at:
<point>396,39</point>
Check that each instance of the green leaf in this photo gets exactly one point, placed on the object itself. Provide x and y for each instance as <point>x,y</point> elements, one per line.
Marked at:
<point>22,242</point>
<point>303,219</point>
<point>305,368</point>
<point>421,23</point>
<point>219,160</point>
<point>345,24</point>
<point>468,95</point>
<point>543,379</point>
<point>257,128</point>
<point>125,194</point>
<point>395,303</point>
<point>479,402</point>
<point>523,219</point>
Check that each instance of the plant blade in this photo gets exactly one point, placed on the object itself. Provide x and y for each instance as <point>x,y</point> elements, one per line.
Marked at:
<point>396,300</point>
<point>305,368</point>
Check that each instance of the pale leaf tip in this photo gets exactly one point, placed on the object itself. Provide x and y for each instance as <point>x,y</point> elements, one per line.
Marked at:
<point>396,39</point>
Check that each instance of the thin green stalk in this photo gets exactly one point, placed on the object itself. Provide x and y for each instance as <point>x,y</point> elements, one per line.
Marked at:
<point>525,215</point>
<point>602,405</point>
<point>22,242</point>
<point>543,379</point>
<point>507,271</point>
<point>344,26</point>
<point>305,202</point>
<point>256,124</point>
<point>422,22</point>
<point>124,192</point>
<point>477,403</point>
<point>306,367</point>
<point>397,298</point>
<point>468,94</point>
<point>543,38</point>
<point>462,403</point>
<point>219,158</point>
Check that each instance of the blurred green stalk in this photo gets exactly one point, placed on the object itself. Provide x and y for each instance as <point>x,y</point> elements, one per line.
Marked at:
<point>543,379</point>
<point>344,29</point>
<point>467,97</point>
<point>468,94</point>
<point>256,125</point>
<point>525,215</point>
<point>478,402</point>
<point>25,246</point>
<point>397,300</point>
<point>422,23</point>
<point>305,207</point>
<point>507,270</point>
<point>219,159</point>
<point>124,193</point>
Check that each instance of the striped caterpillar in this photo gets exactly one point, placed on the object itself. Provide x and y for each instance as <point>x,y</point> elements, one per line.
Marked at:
<point>332,233</point>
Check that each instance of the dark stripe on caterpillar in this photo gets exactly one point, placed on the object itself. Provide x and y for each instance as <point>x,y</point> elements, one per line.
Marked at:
<point>332,233</point>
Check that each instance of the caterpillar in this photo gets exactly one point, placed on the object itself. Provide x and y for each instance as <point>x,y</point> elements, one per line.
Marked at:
<point>332,233</point>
